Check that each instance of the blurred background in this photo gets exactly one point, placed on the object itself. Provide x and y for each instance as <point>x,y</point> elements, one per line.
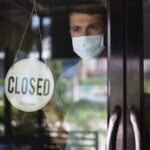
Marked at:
<point>48,128</point>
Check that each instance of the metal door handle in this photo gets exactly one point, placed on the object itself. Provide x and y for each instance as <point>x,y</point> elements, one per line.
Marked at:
<point>112,126</point>
<point>136,128</point>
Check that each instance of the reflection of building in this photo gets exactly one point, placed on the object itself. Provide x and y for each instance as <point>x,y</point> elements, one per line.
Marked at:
<point>95,67</point>
<point>91,83</point>
<point>2,56</point>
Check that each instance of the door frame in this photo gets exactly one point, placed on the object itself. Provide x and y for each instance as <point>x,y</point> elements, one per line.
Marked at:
<point>125,65</point>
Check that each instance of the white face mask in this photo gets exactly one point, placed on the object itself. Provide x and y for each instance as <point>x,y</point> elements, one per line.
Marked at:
<point>88,47</point>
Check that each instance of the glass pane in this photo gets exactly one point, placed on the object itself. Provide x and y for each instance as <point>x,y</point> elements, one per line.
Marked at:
<point>73,46</point>
<point>78,109</point>
<point>146,15</point>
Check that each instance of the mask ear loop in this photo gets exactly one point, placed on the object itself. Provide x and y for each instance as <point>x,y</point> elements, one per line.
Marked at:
<point>24,33</point>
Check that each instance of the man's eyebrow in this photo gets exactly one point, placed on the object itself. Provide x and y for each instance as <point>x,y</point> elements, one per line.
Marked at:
<point>95,24</point>
<point>74,27</point>
<point>98,25</point>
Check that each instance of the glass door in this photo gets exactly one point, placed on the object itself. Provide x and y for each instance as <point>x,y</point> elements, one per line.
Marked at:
<point>76,117</point>
<point>145,115</point>
<point>98,100</point>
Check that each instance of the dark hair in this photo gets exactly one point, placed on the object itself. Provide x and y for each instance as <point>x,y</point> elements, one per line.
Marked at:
<point>90,7</point>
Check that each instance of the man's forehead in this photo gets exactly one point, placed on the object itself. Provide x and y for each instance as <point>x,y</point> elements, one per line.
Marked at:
<point>76,18</point>
<point>77,14</point>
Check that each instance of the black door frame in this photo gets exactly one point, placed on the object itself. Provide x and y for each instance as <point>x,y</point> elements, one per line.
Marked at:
<point>125,65</point>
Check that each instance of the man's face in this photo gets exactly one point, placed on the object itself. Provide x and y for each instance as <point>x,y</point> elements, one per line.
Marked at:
<point>84,24</point>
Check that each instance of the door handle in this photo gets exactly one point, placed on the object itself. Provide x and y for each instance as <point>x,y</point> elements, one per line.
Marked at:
<point>111,133</point>
<point>135,124</point>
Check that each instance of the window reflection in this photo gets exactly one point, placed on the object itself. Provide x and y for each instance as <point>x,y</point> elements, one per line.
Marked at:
<point>80,100</point>
<point>82,113</point>
<point>146,75</point>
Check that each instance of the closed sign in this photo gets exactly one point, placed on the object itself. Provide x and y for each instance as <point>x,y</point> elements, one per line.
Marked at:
<point>29,85</point>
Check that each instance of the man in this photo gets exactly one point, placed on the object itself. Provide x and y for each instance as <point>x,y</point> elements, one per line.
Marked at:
<point>87,28</point>
<point>87,22</point>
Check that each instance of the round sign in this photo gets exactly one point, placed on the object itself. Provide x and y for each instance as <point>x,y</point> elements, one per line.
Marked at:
<point>29,85</point>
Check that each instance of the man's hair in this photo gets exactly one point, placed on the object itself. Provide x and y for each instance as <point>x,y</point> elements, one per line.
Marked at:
<point>90,8</point>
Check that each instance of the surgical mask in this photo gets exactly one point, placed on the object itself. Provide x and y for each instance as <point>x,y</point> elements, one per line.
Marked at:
<point>88,47</point>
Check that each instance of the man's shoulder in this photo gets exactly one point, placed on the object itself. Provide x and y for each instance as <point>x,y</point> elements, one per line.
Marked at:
<point>72,71</point>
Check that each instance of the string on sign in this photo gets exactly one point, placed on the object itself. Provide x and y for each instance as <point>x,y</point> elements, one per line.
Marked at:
<point>34,10</point>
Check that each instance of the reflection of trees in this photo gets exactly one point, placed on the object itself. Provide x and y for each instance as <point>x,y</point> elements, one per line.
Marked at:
<point>83,112</point>
<point>56,67</point>
<point>54,120</point>
<point>21,122</point>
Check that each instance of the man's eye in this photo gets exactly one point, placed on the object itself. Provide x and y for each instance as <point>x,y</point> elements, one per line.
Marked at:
<point>76,30</point>
<point>94,27</point>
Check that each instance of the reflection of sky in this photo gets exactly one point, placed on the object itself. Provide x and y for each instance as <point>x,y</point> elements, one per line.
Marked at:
<point>34,55</point>
<point>35,21</point>
<point>95,93</point>
<point>1,91</point>
<point>146,65</point>
<point>46,49</point>
<point>46,45</point>
<point>47,21</point>
<point>46,42</point>
<point>2,55</point>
